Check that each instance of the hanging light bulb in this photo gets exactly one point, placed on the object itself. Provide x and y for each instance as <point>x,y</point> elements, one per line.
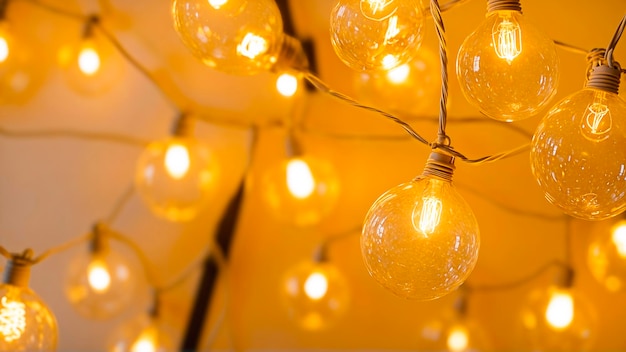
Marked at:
<point>100,282</point>
<point>576,152</point>
<point>606,256</point>
<point>302,189</point>
<point>144,333</point>
<point>26,323</point>
<point>237,36</point>
<point>176,177</point>
<point>373,35</point>
<point>559,318</point>
<point>287,84</point>
<point>506,67</point>
<point>426,215</point>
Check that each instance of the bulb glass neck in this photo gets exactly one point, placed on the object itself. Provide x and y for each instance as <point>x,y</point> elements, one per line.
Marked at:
<point>17,271</point>
<point>439,165</point>
<point>605,78</point>
<point>183,126</point>
<point>291,56</point>
<point>503,5</point>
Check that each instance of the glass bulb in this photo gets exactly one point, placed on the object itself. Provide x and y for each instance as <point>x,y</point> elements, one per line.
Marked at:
<point>507,68</point>
<point>412,88</point>
<point>577,155</point>
<point>176,177</point>
<point>606,256</point>
<point>558,319</point>
<point>143,334</point>
<point>370,35</point>
<point>287,85</point>
<point>301,190</point>
<point>316,295</point>
<point>100,285</point>
<point>424,216</point>
<point>26,323</point>
<point>233,36</point>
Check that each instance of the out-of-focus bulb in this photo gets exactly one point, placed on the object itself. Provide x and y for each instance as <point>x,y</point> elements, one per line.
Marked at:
<point>143,334</point>
<point>606,256</point>
<point>176,177</point>
<point>234,36</point>
<point>426,215</point>
<point>315,294</point>
<point>5,48</point>
<point>577,153</point>
<point>98,276</point>
<point>88,59</point>
<point>370,35</point>
<point>458,339</point>
<point>301,190</point>
<point>507,68</point>
<point>146,342</point>
<point>560,311</point>
<point>287,84</point>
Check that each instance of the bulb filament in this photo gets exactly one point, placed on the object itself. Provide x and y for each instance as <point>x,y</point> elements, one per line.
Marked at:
<point>560,311</point>
<point>145,342</point>
<point>457,339</point>
<point>177,161</point>
<point>316,286</point>
<point>12,319</point>
<point>377,10</point>
<point>217,3</point>
<point>300,181</point>
<point>618,237</point>
<point>88,60</point>
<point>598,121</point>
<point>430,215</point>
<point>98,276</point>
<point>507,39</point>
<point>4,49</point>
<point>392,30</point>
<point>252,46</point>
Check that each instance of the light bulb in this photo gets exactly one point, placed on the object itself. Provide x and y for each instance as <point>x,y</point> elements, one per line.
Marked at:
<point>26,322</point>
<point>315,294</point>
<point>560,311</point>
<point>577,153</point>
<point>234,36</point>
<point>507,68</point>
<point>98,276</point>
<point>143,333</point>
<point>426,215</point>
<point>287,84</point>
<point>5,42</point>
<point>606,255</point>
<point>176,177</point>
<point>370,35</point>
<point>412,88</point>
<point>88,59</point>
<point>301,190</point>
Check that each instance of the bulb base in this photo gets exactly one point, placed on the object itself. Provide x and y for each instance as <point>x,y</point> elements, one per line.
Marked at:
<point>605,78</point>
<point>17,271</point>
<point>504,5</point>
<point>292,56</point>
<point>565,278</point>
<point>183,126</point>
<point>440,165</point>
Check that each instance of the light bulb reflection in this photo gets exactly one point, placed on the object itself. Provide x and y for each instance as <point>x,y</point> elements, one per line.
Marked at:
<point>12,319</point>
<point>252,46</point>
<point>177,161</point>
<point>287,84</point>
<point>98,276</point>
<point>458,339</point>
<point>507,38</point>
<point>389,62</point>
<point>217,3</point>
<point>300,181</point>
<point>618,237</point>
<point>88,60</point>
<point>4,49</point>
<point>560,310</point>
<point>316,286</point>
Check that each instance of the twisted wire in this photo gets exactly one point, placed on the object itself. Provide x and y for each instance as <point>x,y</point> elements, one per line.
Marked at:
<point>435,10</point>
<point>613,43</point>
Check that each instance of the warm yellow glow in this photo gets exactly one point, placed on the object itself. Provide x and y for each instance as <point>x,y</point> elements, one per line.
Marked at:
<point>300,181</point>
<point>507,39</point>
<point>392,30</point>
<point>146,342</point>
<point>4,49</point>
<point>316,286</point>
<point>252,46</point>
<point>430,215</point>
<point>287,84</point>
<point>12,319</point>
<point>177,161</point>
<point>377,9</point>
<point>98,276</point>
<point>457,339</point>
<point>618,236</point>
<point>598,121</point>
<point>560,311</point>
<point>88,60</point>
<point>217,3</point>
<point>399,75</point>
<point>389,62</point>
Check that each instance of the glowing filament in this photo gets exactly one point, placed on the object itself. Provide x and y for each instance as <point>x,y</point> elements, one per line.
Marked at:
<point>146,342</point>
<point>457,339</point>
<point>430,215</point>
<point>389,62</point>
<point>217,3</point>
<point>252,46</point>
<point>619,238</point>
<point>507,39</point>
<point>12,319</point>
<point>4,49</point>
<point>399,75</point>
<point>560,311</point>
<point>98,276</point>
<point>177,161</point>
<point>300,181</point>
<point>316,286</point>
<point>598,119</point>
<point>88,60</point>
<point>392,30</point>
<point>287,84</point>
<point>377,10</point>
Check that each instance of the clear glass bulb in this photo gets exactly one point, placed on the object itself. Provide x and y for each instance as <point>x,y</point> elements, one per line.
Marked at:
<point>606,256</point>
<point>143,334</point>
<point>26,323</point>
<point>370,35</point>
<point>507,68</point>
<point>424,216</point>
<point>233,36</point>
<point>176,177</point>
<point>558,319</point>
<point>412,88</point>
<point>577,155</point>
<point>316,295</point>
<point>301,190</point>
<point>100,285</point>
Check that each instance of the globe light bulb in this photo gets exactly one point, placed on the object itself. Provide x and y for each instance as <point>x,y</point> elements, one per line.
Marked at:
<point>371,35</point>
<point>176,177</point>
<point>26,323</point>
<point>576,153</point>
<point>606,256</point>
<point>287,84</point>
<point>426,215</point>
<point>507,68</point>
<point>315,294</point>
<point>412,88</point>
<point>301,190</point>
<point>144,333</point>
<point>234,36</point>
<point>100,283</point>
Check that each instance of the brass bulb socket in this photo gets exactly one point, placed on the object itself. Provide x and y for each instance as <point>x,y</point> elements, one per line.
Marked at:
<point>504,5</point>
<point>17,272</point>
<point>440,165</point>
<point>605,78</point>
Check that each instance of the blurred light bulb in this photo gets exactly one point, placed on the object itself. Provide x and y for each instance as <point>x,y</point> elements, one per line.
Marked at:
<point>606,256</point>
<point>235,36</point>
<point>98,276</point>
<point>146,342</point>
<point>577,154</point>
<point>507,68</point>
<point>176,177</point>
<point>4,47</point>
<point>619,238</point>
<point>88,59</point>
<point>143,334</point>
<point>370,35</point>
<point>287,84</point>
<point>316,295</point>
<point>426,215</point>
<point>301,190</point>
<point>458,339</point>
<point>560,311</point>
